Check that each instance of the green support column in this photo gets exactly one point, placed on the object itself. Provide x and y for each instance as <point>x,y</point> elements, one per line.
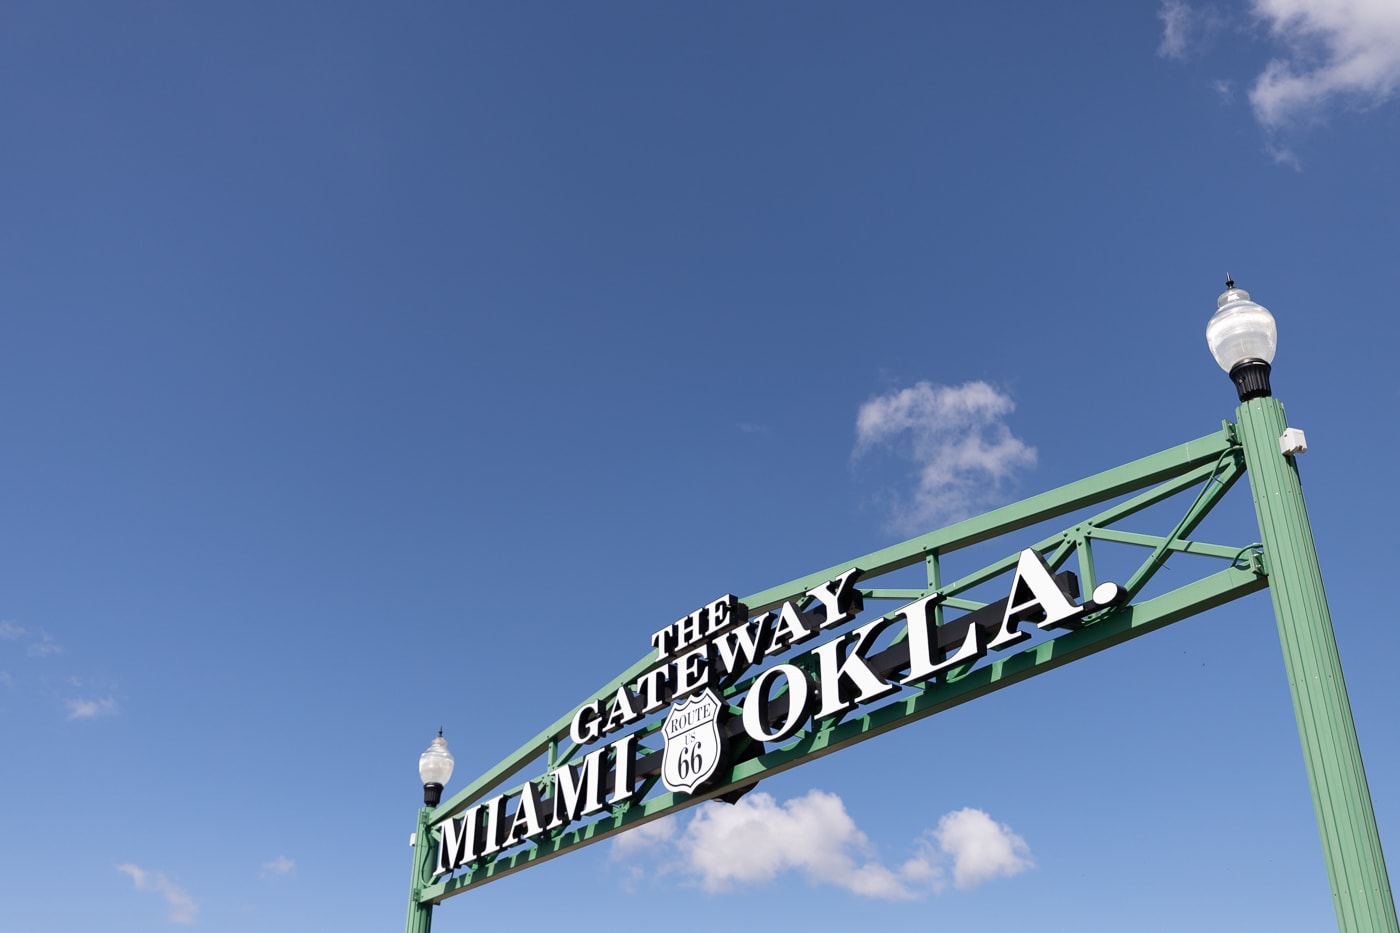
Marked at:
<point>420,916</point>
<point>1351,842</point>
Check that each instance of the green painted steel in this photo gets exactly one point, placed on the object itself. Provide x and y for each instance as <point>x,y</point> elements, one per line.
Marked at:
<point>1114,628</point>
<point>1211,465</point>
<point>420,912</point>
<point>1208,465</point>
<point>1351,842</point>
<point>1109,484</point>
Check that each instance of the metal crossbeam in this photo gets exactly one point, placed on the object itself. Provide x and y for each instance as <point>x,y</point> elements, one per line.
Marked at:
<point>1115,628</point>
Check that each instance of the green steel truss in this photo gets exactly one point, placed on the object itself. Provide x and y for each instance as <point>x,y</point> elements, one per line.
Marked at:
<point>1209,465</point>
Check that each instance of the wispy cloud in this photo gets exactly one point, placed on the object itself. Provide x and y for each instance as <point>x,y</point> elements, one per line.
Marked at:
<point>183,909</point>
<point>1283,155</point>
<point>1334,51</point>
<point>644,837</point>
<point>1176,20</point>
<point>279,867</point>
<point>41,643</point>
<point>956,436</point>
<point>641,841</point>
<point>44,647</point>
<point>1186,29</point>
<point>1326,54</point>
<point>91,709</point>
<point>754,841</point>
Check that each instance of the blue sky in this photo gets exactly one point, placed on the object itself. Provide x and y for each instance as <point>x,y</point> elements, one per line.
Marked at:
<point>376,367</point>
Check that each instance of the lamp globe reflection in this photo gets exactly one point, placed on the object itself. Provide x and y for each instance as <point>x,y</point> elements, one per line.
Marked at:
<point>435,769</point>
<point>1242,338</point>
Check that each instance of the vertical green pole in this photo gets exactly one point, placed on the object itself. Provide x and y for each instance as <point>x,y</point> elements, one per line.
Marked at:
<point>420,916</point>
<point>1351,843</point>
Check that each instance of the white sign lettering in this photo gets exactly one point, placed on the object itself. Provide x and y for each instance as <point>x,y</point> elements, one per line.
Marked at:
<point>704,654</point>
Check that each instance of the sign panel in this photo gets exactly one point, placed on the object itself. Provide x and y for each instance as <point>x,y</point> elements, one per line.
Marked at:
<point>699,667</point>
<point>694,745</point>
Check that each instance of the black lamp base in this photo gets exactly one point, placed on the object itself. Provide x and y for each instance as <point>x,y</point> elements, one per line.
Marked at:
<point>432,795</point>
<point>1251,379</point>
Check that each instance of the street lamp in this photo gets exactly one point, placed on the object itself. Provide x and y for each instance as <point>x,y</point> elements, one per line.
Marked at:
<point>435,769</point>
<point>1242,338</point>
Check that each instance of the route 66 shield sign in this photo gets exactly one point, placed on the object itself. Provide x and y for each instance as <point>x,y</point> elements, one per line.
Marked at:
<point>694,745</point>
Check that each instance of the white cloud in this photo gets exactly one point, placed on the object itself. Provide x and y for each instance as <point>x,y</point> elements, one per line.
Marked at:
<point>757,838</point>
<point>640,841</point>
<point>91,709</point>
<point>1186,29</point>
<point>980,847</point>
<point>279,867</point>
<point>183,909</point>
<point>44,647</point>
<point>1176,25</point>
<point>10,631</point>
<point>1347,50</point>
<point>1282,155</point>
<point>754,841</point>
<point>957,437</point>
<point>646,836</point>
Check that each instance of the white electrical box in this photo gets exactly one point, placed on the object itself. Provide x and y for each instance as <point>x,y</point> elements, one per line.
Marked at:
<point>1292,441</point>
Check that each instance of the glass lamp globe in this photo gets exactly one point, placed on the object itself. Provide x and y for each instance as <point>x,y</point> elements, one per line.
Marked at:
<point>1242,337</point>
<point>435,769</point>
